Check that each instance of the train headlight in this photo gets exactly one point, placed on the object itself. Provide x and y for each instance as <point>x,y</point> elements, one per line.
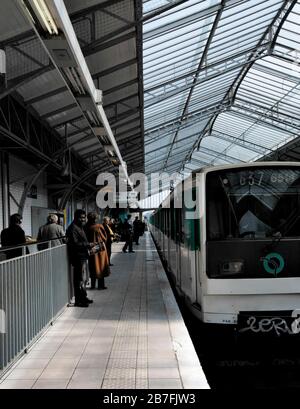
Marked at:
<point>229,267</point>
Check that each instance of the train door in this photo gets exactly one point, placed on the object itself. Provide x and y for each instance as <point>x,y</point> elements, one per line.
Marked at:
<point>190,249</point>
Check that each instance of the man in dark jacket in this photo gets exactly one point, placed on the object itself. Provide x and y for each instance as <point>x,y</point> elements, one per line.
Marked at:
<point>136,230</point>
<point>13,235</point>
<point>79,249</point>
<point>127,229</point>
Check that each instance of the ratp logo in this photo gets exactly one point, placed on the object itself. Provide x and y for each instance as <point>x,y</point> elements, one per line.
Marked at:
<point>2,322</point>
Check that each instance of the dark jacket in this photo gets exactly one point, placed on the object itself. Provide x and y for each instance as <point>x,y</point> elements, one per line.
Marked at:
<point>78,244</point>
<point>12,236</point>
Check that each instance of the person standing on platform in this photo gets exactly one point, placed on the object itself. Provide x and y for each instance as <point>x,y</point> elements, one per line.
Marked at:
<point>98,262</point>
<point>127,230</point>
<point>136,230</point>
<point>13,236</point>
<point>50,231</point>
<point>79,250</point>
<point>110,236</point>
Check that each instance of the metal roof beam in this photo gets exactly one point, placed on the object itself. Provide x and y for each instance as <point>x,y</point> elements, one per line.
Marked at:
<point>218,155</point>
<point>264,45</point>
<point>190,119</point>
<point>169,88</point>
<point>174,25</point>
<point>200,65</point>
<point>240,142</point>
<point>87,50</point>
<point>17,82</point>
<point>94,76</point>
<point>270,115</point>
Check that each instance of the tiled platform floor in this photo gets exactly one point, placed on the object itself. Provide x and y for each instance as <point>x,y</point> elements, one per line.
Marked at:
<point>131,337</point>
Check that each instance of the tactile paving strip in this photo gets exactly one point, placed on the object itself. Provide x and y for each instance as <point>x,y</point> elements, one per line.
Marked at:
<point>118,384</point>
<point>117,373</point>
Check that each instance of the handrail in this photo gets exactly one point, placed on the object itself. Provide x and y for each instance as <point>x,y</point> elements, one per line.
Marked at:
<point>34,289</point>
<point>6,248</point>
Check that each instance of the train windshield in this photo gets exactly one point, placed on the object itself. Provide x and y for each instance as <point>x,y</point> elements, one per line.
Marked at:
<point>253,203</point>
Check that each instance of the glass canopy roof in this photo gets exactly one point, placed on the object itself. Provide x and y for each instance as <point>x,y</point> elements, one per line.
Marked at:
<point>221,81</point>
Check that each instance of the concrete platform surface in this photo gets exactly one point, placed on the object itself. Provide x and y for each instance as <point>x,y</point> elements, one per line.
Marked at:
<point>132,336</point>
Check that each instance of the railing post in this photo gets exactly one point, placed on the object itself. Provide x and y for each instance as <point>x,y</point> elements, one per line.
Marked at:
<point>26,302</point>
<point>51,282</point>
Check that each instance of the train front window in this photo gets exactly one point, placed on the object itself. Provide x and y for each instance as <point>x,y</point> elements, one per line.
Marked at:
<point>253,203</point>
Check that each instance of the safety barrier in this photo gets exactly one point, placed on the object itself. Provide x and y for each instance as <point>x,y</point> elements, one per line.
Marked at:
<point>34,288</point>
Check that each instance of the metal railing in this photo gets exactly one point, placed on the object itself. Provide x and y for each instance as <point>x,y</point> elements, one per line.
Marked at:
<point>34,288</point>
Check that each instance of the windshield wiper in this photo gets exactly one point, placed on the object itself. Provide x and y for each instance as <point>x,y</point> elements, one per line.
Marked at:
<point>230,202</point>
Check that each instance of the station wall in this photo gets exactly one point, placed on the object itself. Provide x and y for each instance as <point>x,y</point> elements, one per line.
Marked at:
<point>20,173</point>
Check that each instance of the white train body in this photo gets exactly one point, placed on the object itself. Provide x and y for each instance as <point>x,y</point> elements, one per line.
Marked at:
<point>222,270</point>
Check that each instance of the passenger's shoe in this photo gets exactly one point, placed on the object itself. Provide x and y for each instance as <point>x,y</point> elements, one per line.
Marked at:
<point>87,300</point>
<point>124,251</point>
<point>102,288</point>
<point>81,304</point>
<point>110,264</point>
<point>132,251</point>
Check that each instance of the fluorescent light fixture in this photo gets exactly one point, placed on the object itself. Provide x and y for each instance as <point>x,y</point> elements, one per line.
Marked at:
<point>96,120</point>
<point>77,80</point>
<point>46,17</point>
<point>74,80</point>
<point>92,117</point>
<point>42,14</point>
<point>89,115</point>
<point>103,139</point>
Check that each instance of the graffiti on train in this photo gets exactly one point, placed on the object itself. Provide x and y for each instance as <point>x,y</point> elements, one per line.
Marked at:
<point>279,325</point>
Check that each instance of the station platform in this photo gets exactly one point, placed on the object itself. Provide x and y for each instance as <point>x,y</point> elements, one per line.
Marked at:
<point>132,336</point>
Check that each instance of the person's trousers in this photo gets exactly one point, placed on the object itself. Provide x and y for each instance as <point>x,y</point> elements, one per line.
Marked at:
<point>80,279</point>
<point>100,282</point>
<point>136,237</point>
<point>128,243</point>
<point>108,249</point>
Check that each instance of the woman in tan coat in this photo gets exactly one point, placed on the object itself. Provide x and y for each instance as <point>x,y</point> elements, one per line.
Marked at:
<point>99,262</point>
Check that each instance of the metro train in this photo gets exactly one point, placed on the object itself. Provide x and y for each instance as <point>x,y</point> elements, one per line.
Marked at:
<point>233,248</point>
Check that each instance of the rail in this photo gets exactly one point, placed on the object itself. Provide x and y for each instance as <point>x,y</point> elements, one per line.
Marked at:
<point>34,288</point>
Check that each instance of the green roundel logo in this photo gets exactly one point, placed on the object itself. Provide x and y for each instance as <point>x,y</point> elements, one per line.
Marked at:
<point>273,263</point>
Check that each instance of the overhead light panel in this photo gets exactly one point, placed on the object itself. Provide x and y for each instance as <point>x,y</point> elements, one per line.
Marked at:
<point>38,9</point>
<point>74,80</point>
<point>104,139</point>
<point>93,119</point>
